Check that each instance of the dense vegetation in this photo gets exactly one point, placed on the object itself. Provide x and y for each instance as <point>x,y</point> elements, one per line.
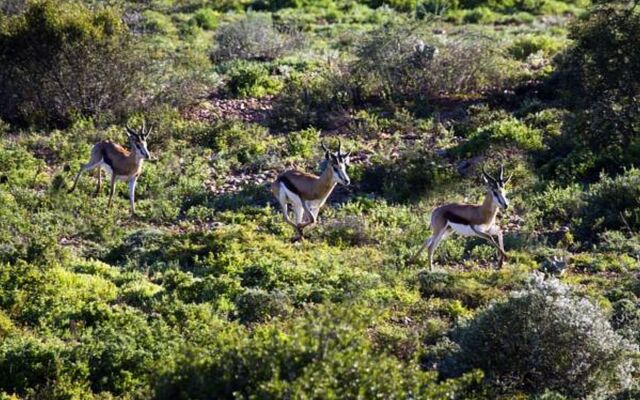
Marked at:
<point>203,295</point>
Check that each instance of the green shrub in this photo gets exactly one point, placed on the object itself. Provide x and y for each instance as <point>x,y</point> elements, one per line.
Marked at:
<point>29,363</point>
<point>599,76</point>
<point>251,80</point>
<point>325,354</point>
<point>408,177</point>
<point>612,203</point>
<point>257,305</point>
<point>61,60</point>
<point>206,18</point>
<point>402,63</point>
<point>506,132</point>
<point>480,15</point>
<point>158,22</point>
<point>545,337</point>
<point>253,38</point>
<point>558,206</point>
<point>303,144</point>
<point>399,5</point>
<point>425,8</point>
<point>525,46</point>
<point>314,99</point>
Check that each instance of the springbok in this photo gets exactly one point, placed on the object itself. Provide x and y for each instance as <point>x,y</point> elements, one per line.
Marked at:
<point>469,219</point>
<point>122,164</point>
<point>307,193</point>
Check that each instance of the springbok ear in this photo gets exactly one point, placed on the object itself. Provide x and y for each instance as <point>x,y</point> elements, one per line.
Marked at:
<point>485,179</point>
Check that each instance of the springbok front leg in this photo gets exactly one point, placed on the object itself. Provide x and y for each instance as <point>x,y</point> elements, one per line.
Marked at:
<point>496,231</point>
<point>489,238</point>
<point>312,216</point>
<point>132,195</point>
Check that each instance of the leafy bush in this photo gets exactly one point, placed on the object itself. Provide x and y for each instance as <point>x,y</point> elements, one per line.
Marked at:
<point>600,75</point>
<point>558,206</point>
<point>253,38</point>
<point>399,5</point>
<point>257,305</point>
<point>323,355</point>
<point>60,60</point>
<point>525,46</point>
<point>303,144</point>
<point>206,18</point>
<point>251,80</point>
<point>545,337</point>
<point>507,132</point>
<point>401,63</point>
<point>315,98</point>
<point>409,177</point>
<point>612,203</point>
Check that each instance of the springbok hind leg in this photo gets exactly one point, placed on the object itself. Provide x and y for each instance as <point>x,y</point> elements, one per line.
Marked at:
<point>87,167</point>
<point>435,242</point>
<point>97,192</point>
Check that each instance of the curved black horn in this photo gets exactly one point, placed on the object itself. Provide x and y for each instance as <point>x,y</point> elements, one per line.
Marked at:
<point>324,147</point>
<point>339,146</point>
<point>144,127</point>
<point>129,130</point>
<point>486,174</point>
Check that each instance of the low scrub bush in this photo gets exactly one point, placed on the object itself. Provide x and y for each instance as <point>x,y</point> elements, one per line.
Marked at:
<point>257,305</point>
<point>557,206</point>
<point>206,18</point>
<point>525,46</point>
<point>251,80</point>
<point>612,203</point>
<point>402,63</point>
<point>303,144</point>
<point>545,338</point>
<point>317,98</point>
<point>399,5</point>
<point>408,177</point>
<point>254,37</point>
<point>62,60</point>
<point>503,133</point>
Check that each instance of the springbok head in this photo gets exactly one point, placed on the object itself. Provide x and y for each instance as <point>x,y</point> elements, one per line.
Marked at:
<point>138,140</point>
<point>497,187</point>
<point>338,161</point>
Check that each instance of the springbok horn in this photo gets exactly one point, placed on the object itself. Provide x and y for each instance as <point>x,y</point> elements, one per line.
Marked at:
<point>144,127</point>
<point>486,174</point>
<point>339,146</point>
<point>509,178</point>
<point>324,147</point>
<point>129,130</point>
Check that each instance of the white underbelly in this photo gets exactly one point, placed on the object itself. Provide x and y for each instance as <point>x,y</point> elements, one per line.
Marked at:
<point>467,230</point>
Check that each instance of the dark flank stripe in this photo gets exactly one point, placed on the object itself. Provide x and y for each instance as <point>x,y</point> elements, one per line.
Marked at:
<point>107,160</point>
<point>456,219</point>
<point>289,185</point>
